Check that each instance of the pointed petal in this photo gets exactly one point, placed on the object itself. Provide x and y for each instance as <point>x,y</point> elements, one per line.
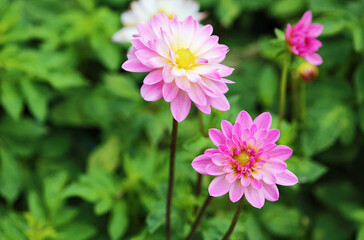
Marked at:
<point>216,136</point>
<point>254,197</point>
<point>219,186</point>
<point>180,106</point>
<point>286,178</point>
<point>236,191</point>
<point>200,163</point>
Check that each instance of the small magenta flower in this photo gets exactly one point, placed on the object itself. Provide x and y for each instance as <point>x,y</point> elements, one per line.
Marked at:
<point>184,64</point>
<point>302,39</point>
<point>142,11</point>
<point>247,161</point>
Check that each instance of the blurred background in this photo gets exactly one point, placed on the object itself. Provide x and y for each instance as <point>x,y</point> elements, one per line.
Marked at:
<point>83,156</point>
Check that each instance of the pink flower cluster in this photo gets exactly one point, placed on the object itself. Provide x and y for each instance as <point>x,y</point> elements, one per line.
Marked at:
<point>302,39</point>
<point>247,160</point>
<point>183,61</point>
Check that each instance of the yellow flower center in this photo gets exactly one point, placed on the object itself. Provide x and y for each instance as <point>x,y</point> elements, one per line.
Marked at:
<point>185,58</point>
<point>242,158</point>
<point>170,16</point>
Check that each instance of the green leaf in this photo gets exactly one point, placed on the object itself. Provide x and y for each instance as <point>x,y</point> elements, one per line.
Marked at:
<point>324,125</point>
<point>268,86</point>
<point>358,36</point>
<point>361,117</point>
<point>36,98</point>
<point>228,11</point>
<point>10,176</point>
<point>121,86</point>
<point>253,229</point>
<point>119,220</point>
<point>279,34</point>
<point>35,206</point>
<point>286,8</point>
<point>156,218</point>
<point>325,225</point>
<point>53,192</point>
<point>11,98</point>
<point>332,25</point>
<point>77,231</point>
<point>360,235</point>
<point>23,129</point>
<point>281,220</point>
<point>106,156</point>
<point>359,82</point>
<point>306,170</point>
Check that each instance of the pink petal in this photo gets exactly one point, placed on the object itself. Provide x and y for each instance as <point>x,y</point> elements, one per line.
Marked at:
<point>150,58</point>
<point>180,106</point>
<point>134,65</point>
<point>305,21</point>
<point>314,30</point>
<point>219,186</point>
<point>226,128</point>
<point>151,92</point>
<point>178,72</point>
<point>254,197</point>
<point>167,75</point>
<point>263,121</point>
<point>192,76</point>
<point>271,192</point>
<point>211,151</point>
<point>231,177</point>
<point>288,31</point>
<point>258,174</point>
<point>236,191</point>
<point>245,181</point>
<point>205,109</point>
<point>197,95</point>
<point>257,184</point>
<point>244,120</point>
<point>213,169</point>
<point>281,152</point>
<point>170,91</point>
<point>200,163</point>
<point>225,71</point>
<point>218,159</point>
<point>314,59</point>
<point>220,103</point>
<point>216,136</point>
<point>268,177</point>
<point>286,178</point>
<point>183,83</point>
<point>153,77</point>
<point>273,135</point>
<point>276,166</point>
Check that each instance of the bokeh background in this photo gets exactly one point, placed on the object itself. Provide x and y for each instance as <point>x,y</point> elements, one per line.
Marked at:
<point>83,156</point>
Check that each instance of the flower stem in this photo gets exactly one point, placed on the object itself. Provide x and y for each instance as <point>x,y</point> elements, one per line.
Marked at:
<point>303,101</point>
<point>295,95</point>
<point>204,134</point>
<point>198,219</point>
<point>171,178</point>
<point>234,221</point>
<point>282,95</point>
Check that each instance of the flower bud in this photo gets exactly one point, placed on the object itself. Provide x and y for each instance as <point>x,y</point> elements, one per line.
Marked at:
<point>307,71</point>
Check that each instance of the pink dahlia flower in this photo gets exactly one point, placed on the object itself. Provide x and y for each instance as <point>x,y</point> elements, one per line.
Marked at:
<point>302,39</point>
<point>247,161</point>
<point>183,61</point>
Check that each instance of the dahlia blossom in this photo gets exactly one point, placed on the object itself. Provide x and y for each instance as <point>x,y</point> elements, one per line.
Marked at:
<point>302,41</point>
<point>143,10</point>
<point>183,61</point>
<point>247,161</point>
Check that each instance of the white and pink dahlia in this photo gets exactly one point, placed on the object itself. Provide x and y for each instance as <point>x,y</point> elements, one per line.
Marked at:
<point>143,10</point>
<point>183,61</point>
<point>247,160</point>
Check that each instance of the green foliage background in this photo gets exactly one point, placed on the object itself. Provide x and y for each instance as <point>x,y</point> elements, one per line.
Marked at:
<point>82,156</point>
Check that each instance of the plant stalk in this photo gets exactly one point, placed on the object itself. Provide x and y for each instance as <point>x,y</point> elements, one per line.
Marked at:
<point>198,219</point>
<point>235,220</point>
<point>171,178</point>
<point>283,89</point>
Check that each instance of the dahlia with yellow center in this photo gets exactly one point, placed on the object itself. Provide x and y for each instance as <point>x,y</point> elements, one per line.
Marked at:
<point>184,64</point>
<point>247,161</point>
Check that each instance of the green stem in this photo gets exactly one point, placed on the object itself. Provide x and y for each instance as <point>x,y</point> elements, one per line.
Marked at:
<point>303,101</point>
<point>198,219</point>
<point>171,179</point>
<point>282,94</point>
<point>295,95</point>
<point>235,220</point>
<point>202,124</point>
